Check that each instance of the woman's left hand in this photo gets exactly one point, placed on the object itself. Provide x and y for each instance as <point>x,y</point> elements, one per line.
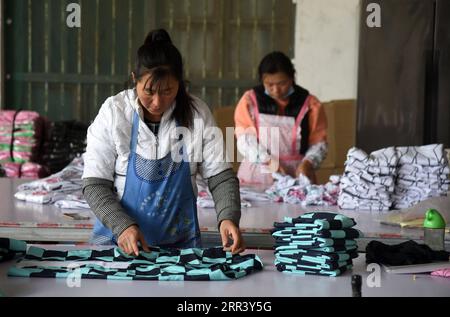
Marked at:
<point>228,230</point>
<point>306,169</point>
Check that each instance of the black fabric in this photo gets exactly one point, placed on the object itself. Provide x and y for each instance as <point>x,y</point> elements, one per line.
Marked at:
<point>65,141</point>
<point>268,105</point>
<point>153,126</point>
<point>10,248</point>
<point>406,253</point>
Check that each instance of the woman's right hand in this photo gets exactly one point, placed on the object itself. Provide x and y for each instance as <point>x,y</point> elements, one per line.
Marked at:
<point>129,238</point>
<point>274,166</point>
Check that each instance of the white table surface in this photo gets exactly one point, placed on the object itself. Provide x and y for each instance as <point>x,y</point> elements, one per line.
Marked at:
<point>36,222</point>
<point>266,283</point>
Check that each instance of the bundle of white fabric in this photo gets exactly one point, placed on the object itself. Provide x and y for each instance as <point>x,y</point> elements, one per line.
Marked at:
<point>63,186</point>
<point>422,172</point>
<point>368,181</point>
<point>300,191</point>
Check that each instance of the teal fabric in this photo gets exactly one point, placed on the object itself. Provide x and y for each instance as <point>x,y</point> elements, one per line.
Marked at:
<point>318,243</point>
<point>158,264</point>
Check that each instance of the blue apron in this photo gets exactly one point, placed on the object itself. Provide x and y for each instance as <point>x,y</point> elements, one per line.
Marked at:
<point>158,195</point>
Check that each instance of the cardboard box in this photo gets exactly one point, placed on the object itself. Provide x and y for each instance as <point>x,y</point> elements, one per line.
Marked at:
<point>329,161</point>
<point>341,119</point>
<point>224,117</point>
<point>345,129</point>
<point>323,174</point>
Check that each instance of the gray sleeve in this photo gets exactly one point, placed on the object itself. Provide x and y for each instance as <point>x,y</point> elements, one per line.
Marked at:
<point>224,188</point>
<point>100,196</point>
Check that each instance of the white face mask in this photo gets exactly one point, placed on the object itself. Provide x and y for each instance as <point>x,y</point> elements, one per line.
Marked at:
<point>290,92</point>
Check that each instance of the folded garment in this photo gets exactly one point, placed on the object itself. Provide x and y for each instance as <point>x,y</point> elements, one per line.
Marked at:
<point>316,256</point>
<point>353,179</point>
<point>426,155</point>
<point>7,117</point>
<point>406,253</point>
<point>289,263</point>
<point>345,233</point>
<point>40,196</point>
<point>432,177</point>
<point>347,201</point>
<point>362,175</point>
<point>67,179</point>
<point>292,269</point>
<point>415,168</point>
<point>319,220</point>
<point>25,170</point>
<point>64,185</point>
<point>314,242</point>
<point>386,157</point>
<point>354,165</point>
<point>19,157</point>
<point>363,193</point>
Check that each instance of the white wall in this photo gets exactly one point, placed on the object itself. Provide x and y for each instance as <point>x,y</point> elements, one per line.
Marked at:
<point>326,47</point>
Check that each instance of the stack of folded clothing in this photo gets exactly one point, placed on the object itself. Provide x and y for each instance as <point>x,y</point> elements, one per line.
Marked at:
<point>64,185</point>
<point>369,180</point>
<point>21,135</point>
<point>25,170</point>
<point>318,243</point>
<point>65,141</point>
<point>423,172</point>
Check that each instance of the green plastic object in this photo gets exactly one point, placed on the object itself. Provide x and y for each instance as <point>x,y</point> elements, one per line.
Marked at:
<point>433,220</point>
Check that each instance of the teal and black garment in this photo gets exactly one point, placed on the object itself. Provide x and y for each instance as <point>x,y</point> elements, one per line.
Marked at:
<point>311,271</point>
<point>315,242</point>
<point>335,248</point>
<point>320,243</point>
<point>193,264</point>
<point>315,256</point>
<point>10,248</point>
<point>286,263</point>
<point>319,220</point>
<point>345,233</point>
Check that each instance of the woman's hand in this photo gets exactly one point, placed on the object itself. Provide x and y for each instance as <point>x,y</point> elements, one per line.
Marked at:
<point>129,238</point>
<point>228,230</point>
<point>274,166</point>
<point>306,169</point>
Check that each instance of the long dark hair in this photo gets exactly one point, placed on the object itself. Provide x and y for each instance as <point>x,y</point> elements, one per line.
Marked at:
<point>160,58</point>
<point>276,62</point>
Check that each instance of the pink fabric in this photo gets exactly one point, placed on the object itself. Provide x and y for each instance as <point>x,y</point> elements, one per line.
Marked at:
<point>441,272</point>
<point>289,145</point>
<point>26,140</point>
<point>7,116</point>
<point>18,140</point>
<point>25,170</point>
<point>26,156</point>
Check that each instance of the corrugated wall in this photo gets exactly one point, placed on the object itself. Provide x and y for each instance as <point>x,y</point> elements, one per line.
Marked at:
<point>66,73</point>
